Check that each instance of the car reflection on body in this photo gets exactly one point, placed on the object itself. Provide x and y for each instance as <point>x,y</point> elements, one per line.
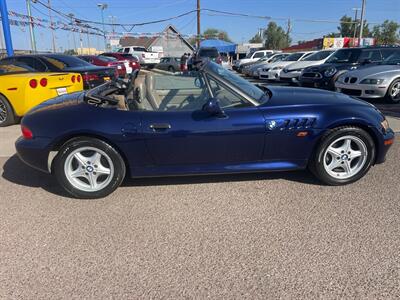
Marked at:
<point>210,121</point>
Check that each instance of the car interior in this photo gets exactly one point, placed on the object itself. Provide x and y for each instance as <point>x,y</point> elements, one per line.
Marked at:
<point>154,92</point>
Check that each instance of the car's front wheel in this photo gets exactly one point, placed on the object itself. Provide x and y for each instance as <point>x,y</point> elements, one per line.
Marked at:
<point>89,168</point>
<point>344,155</point>
<point>393,92</point>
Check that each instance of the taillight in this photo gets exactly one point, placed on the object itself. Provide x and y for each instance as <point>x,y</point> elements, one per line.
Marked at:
<point>43,82</point>
<point>33,83</point>
<point>78,78</point>
<point>26,132</point>
<point>90,77</point>
<point>73,78</point>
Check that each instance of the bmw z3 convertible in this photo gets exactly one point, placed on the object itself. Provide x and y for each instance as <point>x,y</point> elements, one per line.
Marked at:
<point>208,122</point>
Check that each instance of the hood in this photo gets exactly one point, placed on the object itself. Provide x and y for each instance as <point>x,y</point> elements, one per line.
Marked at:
<point>282,96</point>
<point>303,64</point>
<point>375,71</point>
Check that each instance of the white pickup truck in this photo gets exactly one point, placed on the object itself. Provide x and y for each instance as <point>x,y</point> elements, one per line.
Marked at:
<point>146,58</point>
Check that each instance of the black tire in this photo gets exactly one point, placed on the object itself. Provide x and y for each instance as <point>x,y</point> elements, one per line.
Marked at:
<point>7,116</point>
<point>171,69</point>
<point>316,164</point>
<point>119,168</point>
<point>389,97</point>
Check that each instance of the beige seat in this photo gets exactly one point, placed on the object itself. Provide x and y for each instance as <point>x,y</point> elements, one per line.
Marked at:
<point>151,93</point>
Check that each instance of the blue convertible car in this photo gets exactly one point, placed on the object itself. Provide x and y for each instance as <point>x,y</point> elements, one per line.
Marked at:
<point>210,121</point>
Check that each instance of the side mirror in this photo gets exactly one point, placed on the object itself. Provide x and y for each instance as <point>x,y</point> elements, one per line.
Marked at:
<point>212,107</point>
<point>198,82</point>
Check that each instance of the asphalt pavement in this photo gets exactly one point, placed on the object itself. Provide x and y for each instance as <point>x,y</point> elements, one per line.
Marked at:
<point>256,236</point>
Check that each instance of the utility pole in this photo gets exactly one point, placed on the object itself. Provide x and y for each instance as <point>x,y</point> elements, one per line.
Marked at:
<point>356,9</point>
<point>52,28</point>
<point>1,39</point>
<point>73,29</point>
<point>31,29</point>
<point>102,7</point>
<point>289,29</point>
<point>362,21</point>
<point>198,25</point>
<point>6,27</point>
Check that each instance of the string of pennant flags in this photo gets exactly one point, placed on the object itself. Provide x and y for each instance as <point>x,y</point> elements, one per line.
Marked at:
<point>77,26</point>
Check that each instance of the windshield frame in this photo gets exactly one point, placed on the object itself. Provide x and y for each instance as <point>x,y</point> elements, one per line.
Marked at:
<point>211,68</point>
<point>353,59</point>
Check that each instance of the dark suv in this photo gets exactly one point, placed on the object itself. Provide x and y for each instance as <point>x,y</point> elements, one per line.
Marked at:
<point>325,75</point>
<point>208,53</point>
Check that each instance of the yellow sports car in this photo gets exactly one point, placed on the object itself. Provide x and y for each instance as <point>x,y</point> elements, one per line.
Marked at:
<point>21,89</point>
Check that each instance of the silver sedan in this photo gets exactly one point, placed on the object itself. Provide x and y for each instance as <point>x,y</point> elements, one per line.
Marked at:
<point>378,81</point>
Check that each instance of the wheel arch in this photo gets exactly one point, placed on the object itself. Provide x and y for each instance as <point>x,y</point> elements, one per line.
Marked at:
<point>57,146</point>
<point>351,123</point>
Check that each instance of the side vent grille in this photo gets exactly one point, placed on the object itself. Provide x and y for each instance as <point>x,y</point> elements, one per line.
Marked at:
<point>291,124</point>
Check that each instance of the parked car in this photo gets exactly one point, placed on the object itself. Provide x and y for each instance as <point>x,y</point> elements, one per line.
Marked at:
<point>244,66</point>
<point>273,71</point>
<point>291,73</point>
<point>104,61</point>
<point>22,88</point>
<point>208,121</point>
<point>378,81</point>
<point>146,58</point>
<point>92,76</point>
<point>171,64</point>
<point>252,56</point>
<point>131,62</point>
<point>208,53</point>
<point>343,60</point>
<point>253,69</point>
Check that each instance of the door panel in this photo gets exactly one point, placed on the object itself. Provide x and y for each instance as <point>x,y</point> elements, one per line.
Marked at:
<point>198,138</point>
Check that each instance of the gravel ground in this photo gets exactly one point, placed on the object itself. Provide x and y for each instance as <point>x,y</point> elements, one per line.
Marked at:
<point>277,235</point>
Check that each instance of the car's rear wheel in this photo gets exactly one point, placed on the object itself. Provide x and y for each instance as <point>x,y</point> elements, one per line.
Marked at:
<point>393,92</point>
<point>171,69</point>
<point>344,155</point>
<point>7,116</point>
<point>89,168</point>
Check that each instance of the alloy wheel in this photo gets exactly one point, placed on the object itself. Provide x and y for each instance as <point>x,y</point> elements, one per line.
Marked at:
<point>89,169</point>
<point>345,157</point>
<point>395,91</point>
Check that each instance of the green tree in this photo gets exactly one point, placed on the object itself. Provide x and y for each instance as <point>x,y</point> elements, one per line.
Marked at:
<point>275,37</point>
<point>387,33</point>
<point>256,39</point>
<point>346,28</point>
<point>213,33</point>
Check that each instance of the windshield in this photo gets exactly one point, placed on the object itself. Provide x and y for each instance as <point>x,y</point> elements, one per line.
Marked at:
<point>278,58</point>
<point>213,53</point>
<point>294,56</point>
<point>242,84</point>
<point>393,59</point>
<point>10,68</point>
<point>318,56</point>
<point>345,56</point>
<point>64,61</point>
<point>106,58</point>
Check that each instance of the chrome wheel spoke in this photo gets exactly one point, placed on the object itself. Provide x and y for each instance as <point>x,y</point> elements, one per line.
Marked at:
<point>335,152</point>
<point>346,167</point>
<point>355,154</point>
<point>78,173</point>
<point>92,180</point>
<point>334,164</point>
<point>80,158</point>
<point>95,159</point>
<point>102,170</point>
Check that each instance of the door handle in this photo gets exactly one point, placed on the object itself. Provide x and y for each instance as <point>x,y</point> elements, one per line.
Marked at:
<point>160,126</point>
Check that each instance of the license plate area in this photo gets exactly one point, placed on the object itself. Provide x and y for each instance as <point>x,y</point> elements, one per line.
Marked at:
<point>62,91</point>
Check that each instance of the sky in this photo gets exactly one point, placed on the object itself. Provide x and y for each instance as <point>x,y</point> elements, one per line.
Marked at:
<point>240,29</point>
